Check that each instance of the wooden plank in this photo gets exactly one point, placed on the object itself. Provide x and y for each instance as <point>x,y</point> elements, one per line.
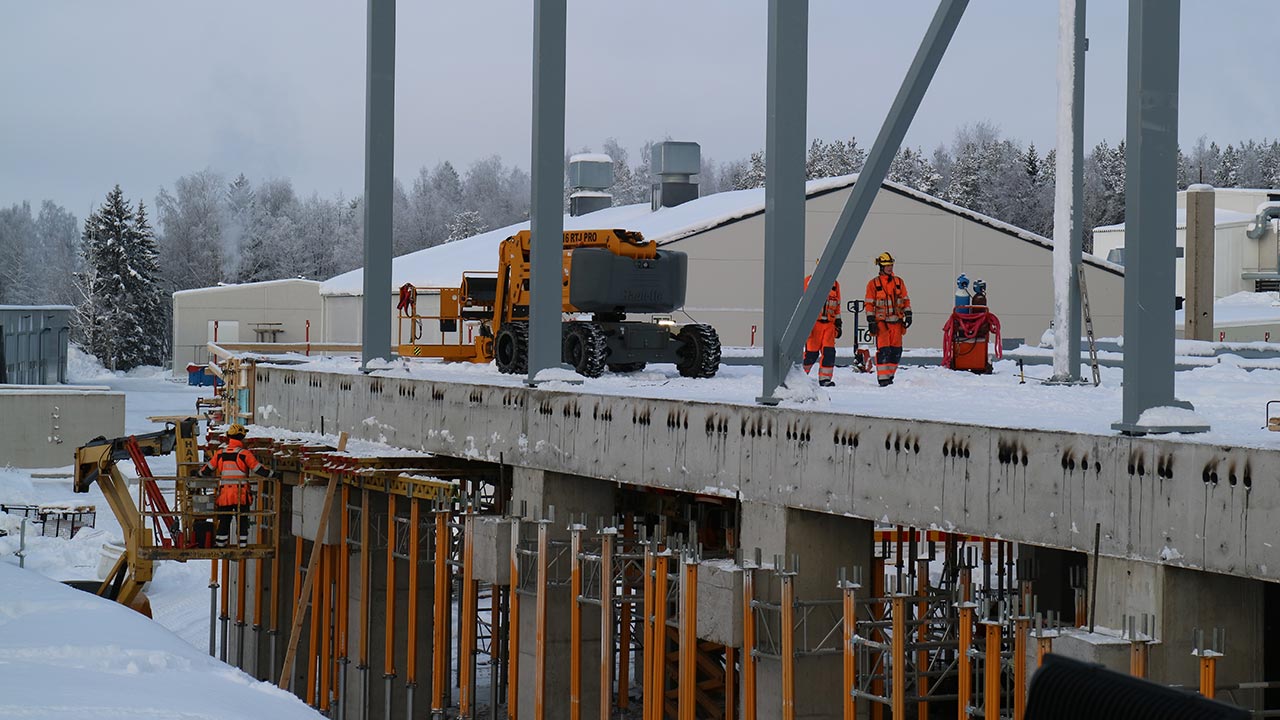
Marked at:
<point>299,613</point>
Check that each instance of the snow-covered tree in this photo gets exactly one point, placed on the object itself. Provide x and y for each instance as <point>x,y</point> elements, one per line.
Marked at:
<point>464,225</point>
<point>1228,173</point>
<point>147,302</point>
<point>191,221</point>
<point>754,175</point>
<point>108,326</point>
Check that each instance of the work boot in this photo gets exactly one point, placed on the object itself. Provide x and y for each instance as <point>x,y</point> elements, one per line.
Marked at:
<point>244,541</point>
<point>886,381</point>
<point>827,382</point>
<point>220,541</point>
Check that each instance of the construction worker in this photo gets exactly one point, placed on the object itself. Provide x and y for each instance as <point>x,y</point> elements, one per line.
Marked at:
<point>888,317</point>
<point>232,466</point>
<point>822,338</point>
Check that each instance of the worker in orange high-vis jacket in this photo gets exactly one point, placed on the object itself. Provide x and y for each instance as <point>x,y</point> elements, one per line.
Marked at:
<point>822,338</point>
<point>888,317</point>
<point>232,465</point>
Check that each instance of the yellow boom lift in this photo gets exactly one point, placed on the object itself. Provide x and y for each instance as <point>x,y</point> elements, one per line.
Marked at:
<point>607,274</point>
<point>169,518</point>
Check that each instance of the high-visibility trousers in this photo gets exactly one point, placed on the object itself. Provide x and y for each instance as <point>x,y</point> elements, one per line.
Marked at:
<point>821,342</point>
<point>888,349</point>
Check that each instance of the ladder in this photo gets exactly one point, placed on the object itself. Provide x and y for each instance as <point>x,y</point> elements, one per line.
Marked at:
<point>1088,328</point>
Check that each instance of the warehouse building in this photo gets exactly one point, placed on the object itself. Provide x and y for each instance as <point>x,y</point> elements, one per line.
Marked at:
<point>723,235</point>
<point>274,311</point>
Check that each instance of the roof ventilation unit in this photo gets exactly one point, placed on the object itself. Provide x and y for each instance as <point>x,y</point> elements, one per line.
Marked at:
<point>675,164</point>
<point>590,174</point>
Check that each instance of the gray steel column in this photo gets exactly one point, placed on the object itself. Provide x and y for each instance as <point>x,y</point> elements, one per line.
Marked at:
<point>1068,226</point>
<point>1151,156</point>
<point>379,145</point>
<point>547,207</point>
<point>1077,189</point>
<point>784,196</point>
<point>904,107</point>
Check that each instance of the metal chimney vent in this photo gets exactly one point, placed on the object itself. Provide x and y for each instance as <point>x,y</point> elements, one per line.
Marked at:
<point>590,174</point>
<point>675,164</point>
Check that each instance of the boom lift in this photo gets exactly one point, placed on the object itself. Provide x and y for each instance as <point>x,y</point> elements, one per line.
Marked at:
<point>179,510</point>
<point>607,274</point>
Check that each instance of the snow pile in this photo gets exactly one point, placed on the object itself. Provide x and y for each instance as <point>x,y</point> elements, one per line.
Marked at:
<point>1168,416</point>
<point>83,368</point>
<point>1242,309</point>
<point>68,654</point>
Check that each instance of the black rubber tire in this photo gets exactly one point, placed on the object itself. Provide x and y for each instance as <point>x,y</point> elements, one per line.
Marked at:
<point>699,351</point>
<point>627,367</point>
<point>511,348</point>
<point>584,348</point>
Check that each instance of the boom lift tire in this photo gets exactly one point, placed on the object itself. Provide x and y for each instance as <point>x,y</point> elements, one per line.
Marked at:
<point>699,351</point>
<point>511,348</point>
<point>627,367</point>
<point>585,348</point>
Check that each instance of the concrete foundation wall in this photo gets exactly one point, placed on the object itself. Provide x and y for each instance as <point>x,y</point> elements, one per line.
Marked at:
<point>1158,500</point>
<point>44,425</point>
<point>1181,601</point>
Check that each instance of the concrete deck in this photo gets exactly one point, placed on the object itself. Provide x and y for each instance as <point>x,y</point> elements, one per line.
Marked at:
<point>1159,500</point>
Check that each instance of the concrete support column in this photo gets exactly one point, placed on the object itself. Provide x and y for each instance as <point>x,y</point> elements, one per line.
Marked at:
<point>572,496</point>
<point>1182,600</point>
<point>382,531</point>
<point>1199,263</point>
<point>824,544</point>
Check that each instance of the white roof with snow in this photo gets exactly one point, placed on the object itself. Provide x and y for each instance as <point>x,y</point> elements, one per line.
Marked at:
<point>246,286</point>
<point>443,265</point>
<point>1244,309</point>
<point>1221,218</point>
<point>591,157</point>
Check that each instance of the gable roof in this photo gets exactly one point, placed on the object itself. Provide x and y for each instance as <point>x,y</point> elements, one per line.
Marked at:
<point>443,265</point>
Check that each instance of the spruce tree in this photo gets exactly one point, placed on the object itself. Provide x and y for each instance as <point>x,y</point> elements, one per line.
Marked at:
<point>121,314</point>
<point>147,298</point>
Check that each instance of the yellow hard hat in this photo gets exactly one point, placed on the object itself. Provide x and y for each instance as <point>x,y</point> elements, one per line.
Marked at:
<point>884,258</point>
<point>237,429</point>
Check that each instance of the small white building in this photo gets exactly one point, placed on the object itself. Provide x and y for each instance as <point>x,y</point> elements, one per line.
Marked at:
<point>723,235</point>
<point>274,311</point>
<point>1240,263</point>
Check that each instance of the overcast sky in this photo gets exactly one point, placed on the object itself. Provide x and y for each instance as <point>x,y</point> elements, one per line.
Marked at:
<point>140,92</point>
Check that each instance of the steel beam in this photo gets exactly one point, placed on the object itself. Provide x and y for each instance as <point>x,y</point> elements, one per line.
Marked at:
<point>379,178</point>
<point>1151,156</point>
<point>784,194</point>
<point>547,207</point>
<point>903,110</point>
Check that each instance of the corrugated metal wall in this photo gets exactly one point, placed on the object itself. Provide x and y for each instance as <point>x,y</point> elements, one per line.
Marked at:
<point>33,344</point>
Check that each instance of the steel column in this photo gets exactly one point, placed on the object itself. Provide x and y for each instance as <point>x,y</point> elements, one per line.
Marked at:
<point>688,697</point>
<point>540,624</point>
<point>440,609</point>
<point>379,177</point>
<point>513,622</point>
<point>784,191</point>
<point>991,670</point>
<point>546,222</point>
<point>788,660</point>
<point>575,621</point>
<point>748,644</point>
<point>606,622</point>
<point>898,664</point>
<point>470,617</point>
<point>1068,216</point>
<point>1151,156</point>
<point>411,652</point>
<point>904,107</point>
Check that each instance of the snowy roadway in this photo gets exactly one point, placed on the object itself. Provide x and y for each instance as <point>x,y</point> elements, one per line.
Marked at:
<point>67,654</point>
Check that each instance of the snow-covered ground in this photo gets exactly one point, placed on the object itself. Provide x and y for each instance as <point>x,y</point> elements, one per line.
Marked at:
<point>65,653</point>
<point>1226,396</point>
